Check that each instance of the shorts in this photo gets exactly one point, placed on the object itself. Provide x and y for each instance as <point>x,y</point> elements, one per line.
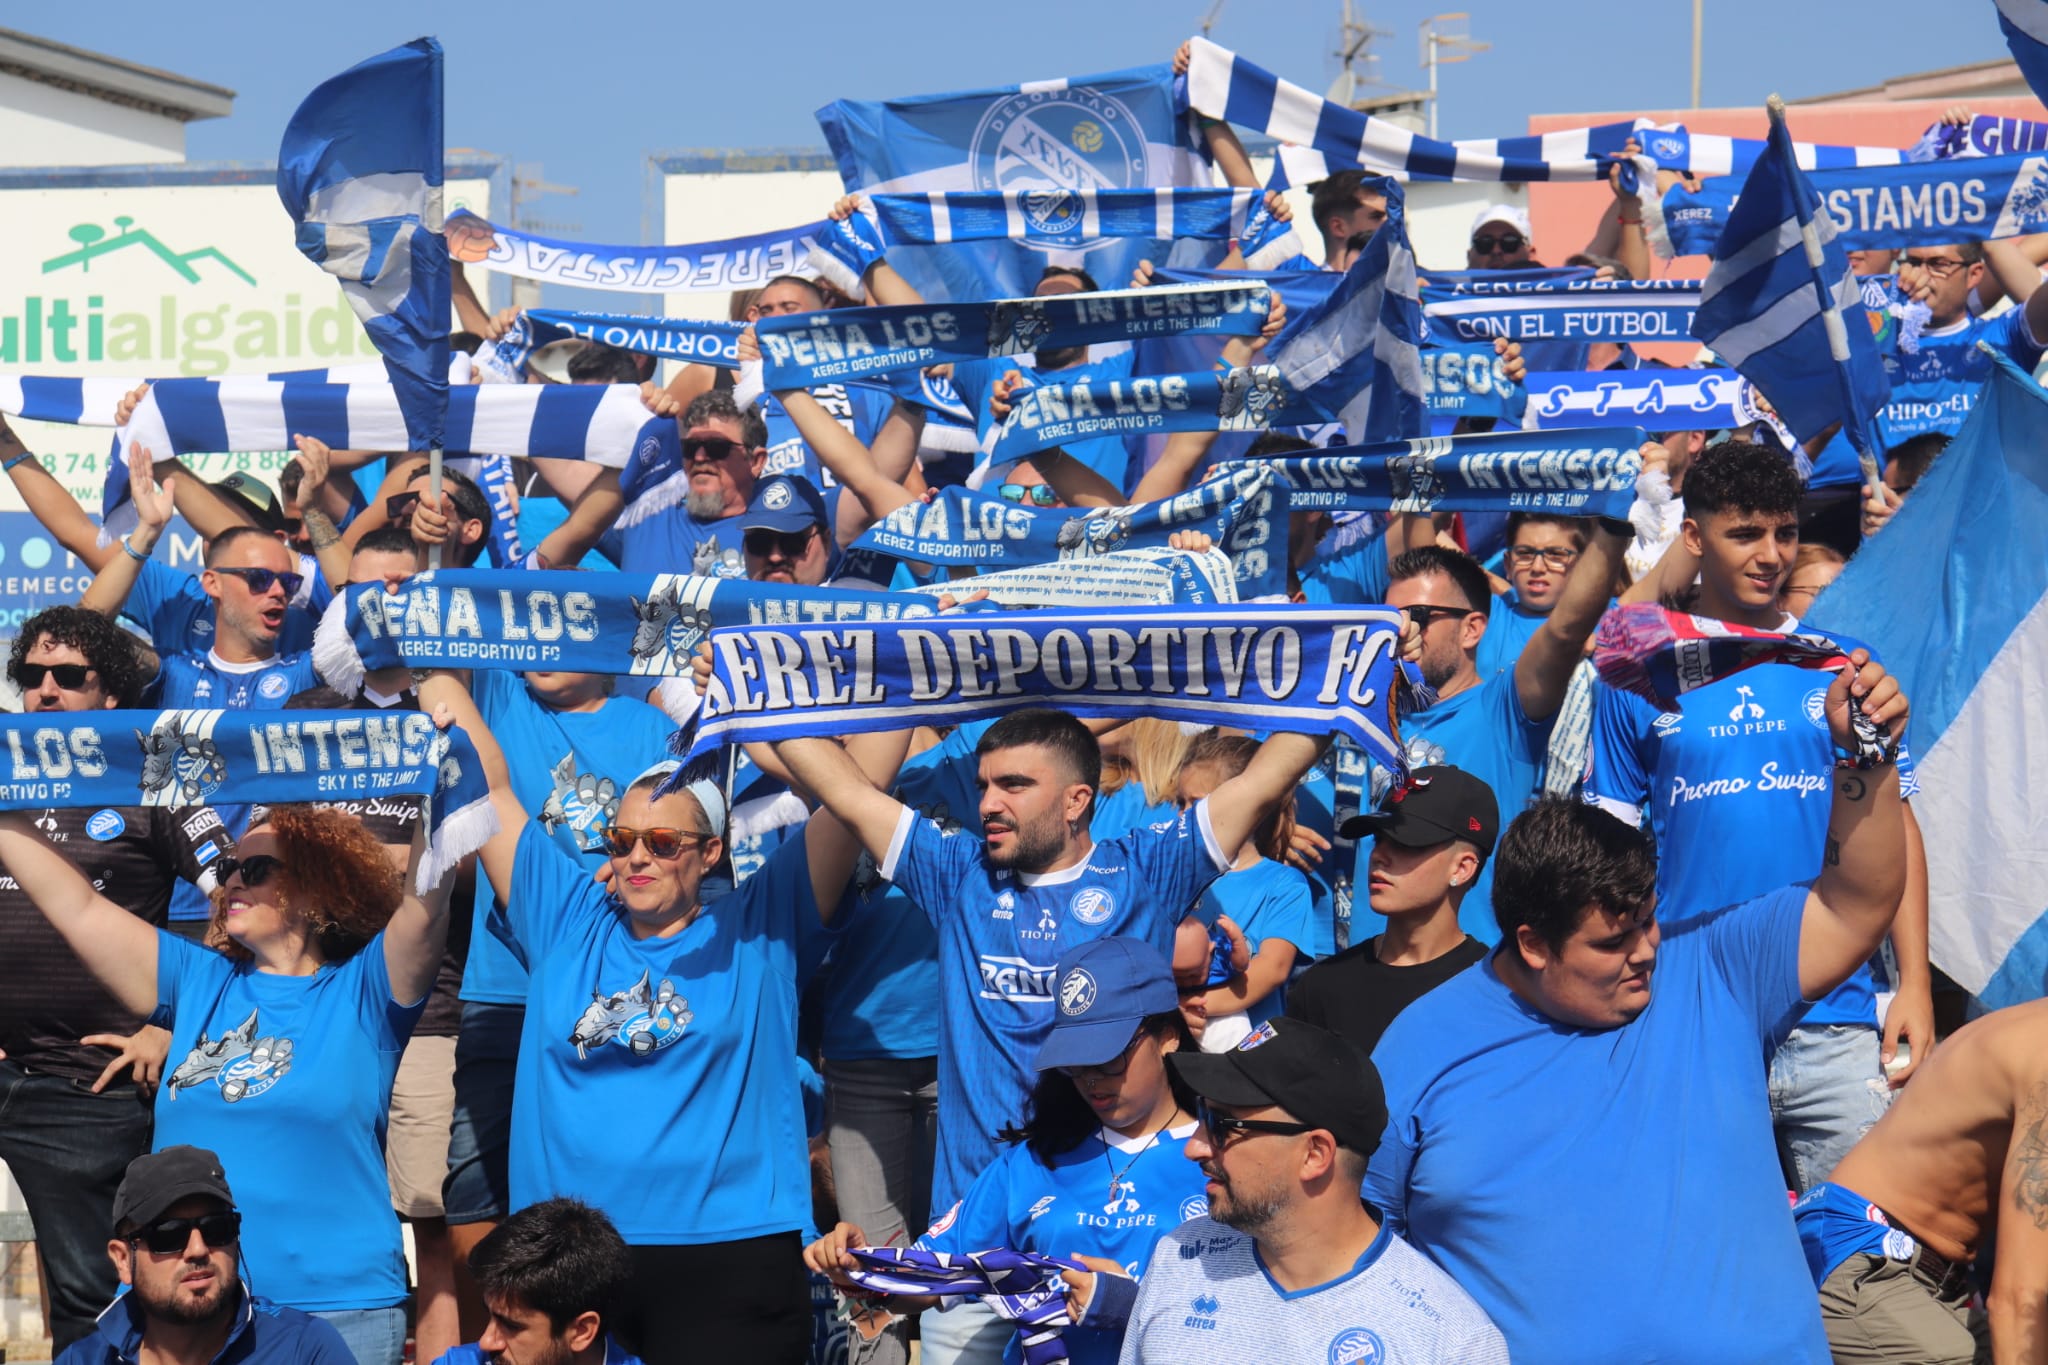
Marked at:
<point>478,1186</point>
<point>416,1136</point>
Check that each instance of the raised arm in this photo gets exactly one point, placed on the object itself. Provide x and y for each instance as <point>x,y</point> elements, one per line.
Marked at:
<point>590,516</point>
<point>1911,1015</point>
<point>1224,148</point>
<point>446,689</point>
<point>417,936</point>
<point>116,947</point>
<point>829,845</point>
<point>51,503</point>
<point>1863,870</point>
<point>109,589</point>
<point>840,451</point>
<point>885,288</point>
<point>1544,670</point>
<point>1241,805</point>
<point>315,463</point>
<point>829,773</point>
<point>895,457</point>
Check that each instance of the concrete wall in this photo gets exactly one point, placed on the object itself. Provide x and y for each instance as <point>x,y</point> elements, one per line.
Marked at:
<point>42,125</point>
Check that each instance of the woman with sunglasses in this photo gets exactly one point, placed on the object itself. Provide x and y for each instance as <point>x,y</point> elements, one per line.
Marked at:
<point>1097,1171</point>
<point>656,1075</point>
<point>285,1038</point>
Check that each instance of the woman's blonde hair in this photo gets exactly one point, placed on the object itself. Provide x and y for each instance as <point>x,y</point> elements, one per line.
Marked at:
<point>1152,754</point>
<point>1230,755</point>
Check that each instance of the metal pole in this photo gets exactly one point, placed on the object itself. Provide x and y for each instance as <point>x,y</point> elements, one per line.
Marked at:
<point>1432,84</point>
<point>434,497</point>
<point>1696,28</point>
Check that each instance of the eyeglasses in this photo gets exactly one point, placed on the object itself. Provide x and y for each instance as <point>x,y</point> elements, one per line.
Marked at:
<point>1038,493</point>
<point>1507,243</point>
<point>1790,589</point>
<point>1555,557</point>
<point>662,843</point>
<point>259,580</point>
<point>1224,1129</point>
<point>1115,1066</point>
<point>711,448</point>
<point>1422,613</point>
<point>254,870</point>
<point>173,1235</point>
<point>1941,267</point>
<point>762,542</point>
<point>70,677</point>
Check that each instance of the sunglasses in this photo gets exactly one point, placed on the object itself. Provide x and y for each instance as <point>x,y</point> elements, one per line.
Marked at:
<point>762,542</point>
<point>662,843</point>
<point>1115,1066</point>
<point>173,1235</point>
<point>254,871</point>
<point>259,580</point>
<point>1486,243</point>
<point>1038,493</point>
<point>398,507</point>
<point>711,448</point>
<point>70,677</point>
<point>1223,1129</point>
<point>1422,613</point>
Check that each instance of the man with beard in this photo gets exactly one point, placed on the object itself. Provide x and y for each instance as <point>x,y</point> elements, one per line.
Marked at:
<point>784,533</point>
<point>718,449</point>
<point>176,1245</point>
<point>1290,1264</point>
<point>551,1275</point>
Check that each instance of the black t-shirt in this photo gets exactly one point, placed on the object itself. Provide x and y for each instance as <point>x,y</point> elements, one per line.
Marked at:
<point>133,855</point>
<point>1355,995</point>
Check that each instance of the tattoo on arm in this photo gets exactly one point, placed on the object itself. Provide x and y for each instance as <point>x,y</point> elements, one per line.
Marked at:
<point>1833,856</point>
<point>320,531</point>
<point>2029,1161</point>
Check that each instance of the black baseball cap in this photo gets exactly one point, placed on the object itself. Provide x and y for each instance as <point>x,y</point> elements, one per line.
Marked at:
<point>1438,805</point>
<point>157,1180</point>
<point>255,497</point>
<point>1320,1078</point>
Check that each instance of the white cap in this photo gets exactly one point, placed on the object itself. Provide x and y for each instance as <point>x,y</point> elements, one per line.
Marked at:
<point>1508,214</point>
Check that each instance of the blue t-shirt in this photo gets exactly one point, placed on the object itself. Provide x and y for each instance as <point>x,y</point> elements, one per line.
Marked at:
<point>614,1354</point>
<point>1738,786</point>
<point>264,1333</point>
<point>1126,809</point>
<point>1508,628</point>
<point>1356,574</point>
<point>1485,731</point>
<point>569,770</point>
<point>1268,900</point>
<point>1110,1196</point>
<point>289,1079</point>
<point>172,606</point>
<point>1001,936</point>
<point>1106,455</point>
<point>656,1076</point>
<point>860,410</point>
<point>1520,1150</point>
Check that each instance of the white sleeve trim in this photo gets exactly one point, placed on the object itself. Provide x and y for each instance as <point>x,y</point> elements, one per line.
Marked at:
<point>1216,855</point>
<point>1621,810</point>
<point>897,841</point>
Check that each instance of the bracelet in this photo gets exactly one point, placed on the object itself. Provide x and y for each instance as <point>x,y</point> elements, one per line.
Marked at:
<point>134,553</point>
<point>1628,222</point>
<point>1618,526</point>
<point>15,460</point>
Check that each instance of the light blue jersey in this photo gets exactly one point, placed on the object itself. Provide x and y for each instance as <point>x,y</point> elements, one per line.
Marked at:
<point>172,606</point>
<point>1001,934</point>
<point>1268,900</point>
<point>289,1079</point>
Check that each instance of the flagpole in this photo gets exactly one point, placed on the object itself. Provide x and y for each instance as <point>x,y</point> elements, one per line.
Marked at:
<point>434,497</point>
<point>1830,316</point>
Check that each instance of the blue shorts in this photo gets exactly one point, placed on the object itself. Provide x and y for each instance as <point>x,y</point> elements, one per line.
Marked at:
<point>478,1185</point>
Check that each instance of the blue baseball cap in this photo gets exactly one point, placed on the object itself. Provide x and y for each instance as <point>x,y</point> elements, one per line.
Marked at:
<point>784,503</point>
<point>1102,990</point>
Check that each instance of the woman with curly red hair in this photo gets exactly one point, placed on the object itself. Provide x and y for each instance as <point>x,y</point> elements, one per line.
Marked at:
<point>285,1037</point>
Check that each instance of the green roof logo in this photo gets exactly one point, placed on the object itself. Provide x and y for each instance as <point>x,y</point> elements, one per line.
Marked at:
<point>93,241</point>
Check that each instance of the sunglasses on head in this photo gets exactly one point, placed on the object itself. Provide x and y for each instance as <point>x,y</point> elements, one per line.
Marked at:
<point>711,447</point>
<point>762,542</point>
<point>1038,493</point>
<point>70,677</point>
<point>662,843</point>
<point>1486,243</point>
<point>254,870</point>
<point>171,1236</point>
<point>259,580</point>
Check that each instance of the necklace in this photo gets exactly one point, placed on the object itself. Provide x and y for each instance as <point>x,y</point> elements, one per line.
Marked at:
<point>1116,1176</point>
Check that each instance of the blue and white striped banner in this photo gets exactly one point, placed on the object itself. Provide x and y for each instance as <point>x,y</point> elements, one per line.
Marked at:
<point>705,267</point>
<point>2025,24</point>
<point>1660,400</point>
<point>1564,310</point>
<point>1057,217</point>
<point>697,341</point>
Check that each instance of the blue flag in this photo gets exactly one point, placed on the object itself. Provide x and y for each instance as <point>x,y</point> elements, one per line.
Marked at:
<point>1118,130</point>
<point>360,173</point>
<point>2025,23</point>
<point>1782,307</point>
<point>1967,638</point>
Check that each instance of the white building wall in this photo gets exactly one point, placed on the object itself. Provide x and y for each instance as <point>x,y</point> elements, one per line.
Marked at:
<point>42,125</point>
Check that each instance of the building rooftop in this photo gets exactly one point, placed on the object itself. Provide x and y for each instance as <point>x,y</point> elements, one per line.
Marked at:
<point>146,88</point>
<point>1944,83</point>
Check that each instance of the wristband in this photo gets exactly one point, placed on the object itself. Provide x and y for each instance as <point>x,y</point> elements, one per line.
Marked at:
<point>1619,526</point>
<point>133,553</point>
<point>15,460</point>
<point>1628,222</point>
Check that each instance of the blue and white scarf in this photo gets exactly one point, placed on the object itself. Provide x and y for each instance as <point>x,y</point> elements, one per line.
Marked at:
<point>1470,380</point>
<point>1984,135</point>
<point>958,526</point>
<point>1151,577</point>
<point>1246,398</point>
<point>800,349</point>
<point>691,340</point>
<point>1538,309</point>
<point>1021,1286</point>
<point>510,619</point>
<point>1657,399</point>
<point>190,758</point>
<point>1252,667</point>
<point>705,267</point>
<point>1588,473</point>
<point>1055,217</point>
<point>1877,207</point>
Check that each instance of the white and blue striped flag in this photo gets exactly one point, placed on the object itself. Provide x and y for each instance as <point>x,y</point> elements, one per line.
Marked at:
<point>360,173</point>
<point>1357,355</point>
<point>1782,307</point>
<point>2025,24</point>
<point>1968,641</point>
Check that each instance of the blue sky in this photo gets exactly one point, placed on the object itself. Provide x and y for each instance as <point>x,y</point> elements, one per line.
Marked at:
<point>588,90</point>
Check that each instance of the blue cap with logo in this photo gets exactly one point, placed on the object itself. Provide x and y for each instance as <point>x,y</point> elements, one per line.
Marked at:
<point>784,503</point>
<point>1102,990</point>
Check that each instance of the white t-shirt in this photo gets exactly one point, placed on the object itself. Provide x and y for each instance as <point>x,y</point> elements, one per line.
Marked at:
<point>1207,1296</point>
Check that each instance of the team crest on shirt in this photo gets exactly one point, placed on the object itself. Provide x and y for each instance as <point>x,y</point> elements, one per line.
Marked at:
<point>643,1019</point>
<point>1194,1206</point>
<point>1092,906</point>
<point>1357,1346</point>
<point>585,802</point>
<point>180,764</point>
<point>240,1062</point>
<point>1815,707</point>
<point>1040,1206</point>
<point>272,687</point>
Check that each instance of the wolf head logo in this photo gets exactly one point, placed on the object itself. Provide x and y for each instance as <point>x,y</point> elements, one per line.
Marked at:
<point>1018,327</point>
<point>239,1062</point>
<point>1247,397</point>
<point>1415,481</point>
<point>1095,534</point>
<point>645,1016</point>
<point>176,766</point>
